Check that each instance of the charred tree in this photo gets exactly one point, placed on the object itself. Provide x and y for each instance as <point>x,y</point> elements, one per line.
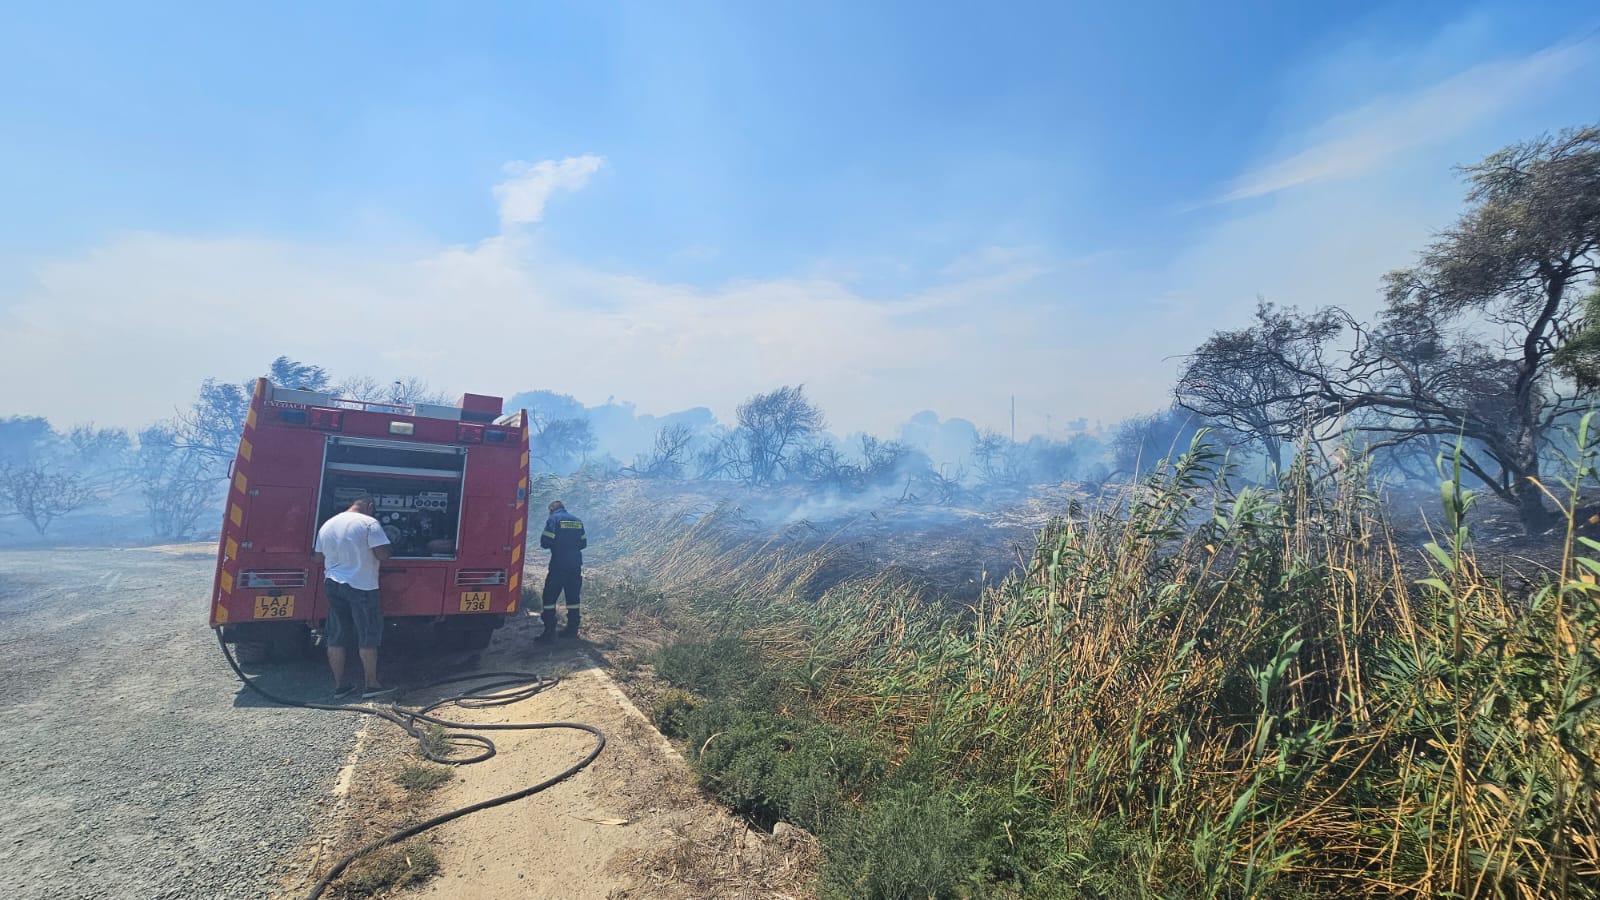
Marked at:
<point>1238,380</point>
<point>773,428</point>
<point>1466,344</point>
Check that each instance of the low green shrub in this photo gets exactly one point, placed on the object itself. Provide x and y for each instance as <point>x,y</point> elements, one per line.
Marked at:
<point>911,842</point>
<point>716,667</point>
<point>671,711</point>
<point>422,778</point>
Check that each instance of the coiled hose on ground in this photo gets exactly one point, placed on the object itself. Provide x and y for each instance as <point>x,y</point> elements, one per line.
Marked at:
<point>502,690</point>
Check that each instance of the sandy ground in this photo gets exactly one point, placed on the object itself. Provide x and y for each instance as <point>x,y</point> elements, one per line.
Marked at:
<point>631,825</point>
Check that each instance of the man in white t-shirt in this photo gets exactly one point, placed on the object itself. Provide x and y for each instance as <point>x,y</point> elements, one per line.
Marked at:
<point>350,547</point>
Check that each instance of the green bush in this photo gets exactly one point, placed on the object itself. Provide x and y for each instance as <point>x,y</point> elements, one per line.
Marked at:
<point>911,842</point>
<point>422,778</point>
<point>770,768</point>
<point>716,668</point>
<point>671,712</point>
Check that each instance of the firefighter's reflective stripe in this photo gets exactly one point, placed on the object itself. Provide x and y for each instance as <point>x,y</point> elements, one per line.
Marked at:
<point>550,534</point>
<point>571,523</point>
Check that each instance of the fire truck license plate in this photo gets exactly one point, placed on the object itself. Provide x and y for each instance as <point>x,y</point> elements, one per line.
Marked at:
<point>474,601</point>
<point>274,607</point>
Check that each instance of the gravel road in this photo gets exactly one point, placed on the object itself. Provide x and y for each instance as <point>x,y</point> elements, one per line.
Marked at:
<point>131,765</point>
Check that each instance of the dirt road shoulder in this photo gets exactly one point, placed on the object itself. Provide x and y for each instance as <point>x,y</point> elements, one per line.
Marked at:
<point>631,825</point>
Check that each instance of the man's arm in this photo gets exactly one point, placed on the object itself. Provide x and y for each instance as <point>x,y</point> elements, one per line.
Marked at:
<point>548,539</point>
<point>378,540</point>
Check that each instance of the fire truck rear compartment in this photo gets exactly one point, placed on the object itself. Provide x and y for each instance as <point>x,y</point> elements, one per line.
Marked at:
<point>416,489</point>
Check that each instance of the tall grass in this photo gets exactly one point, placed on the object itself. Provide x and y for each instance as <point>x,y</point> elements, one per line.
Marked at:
<point>1205,692</point>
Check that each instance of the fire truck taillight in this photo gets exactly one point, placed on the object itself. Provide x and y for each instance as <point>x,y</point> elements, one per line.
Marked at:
<point>325,419</point>
<point>469,434</point>
<point>273,578</point>
<point>480,577</point>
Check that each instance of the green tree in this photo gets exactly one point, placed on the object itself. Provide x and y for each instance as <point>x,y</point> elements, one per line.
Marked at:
<point>1579,359</point>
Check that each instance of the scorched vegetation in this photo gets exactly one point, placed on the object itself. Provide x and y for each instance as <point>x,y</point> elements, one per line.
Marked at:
<point>1190,691</point>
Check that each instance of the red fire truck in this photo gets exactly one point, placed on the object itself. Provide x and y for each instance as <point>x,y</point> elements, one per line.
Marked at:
<point>450,485</point>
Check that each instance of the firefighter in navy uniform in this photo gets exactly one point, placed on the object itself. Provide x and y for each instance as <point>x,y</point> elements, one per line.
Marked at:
<point>564,538</point>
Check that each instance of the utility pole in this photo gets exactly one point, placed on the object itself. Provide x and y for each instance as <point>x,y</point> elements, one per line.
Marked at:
<point>1013,418</point>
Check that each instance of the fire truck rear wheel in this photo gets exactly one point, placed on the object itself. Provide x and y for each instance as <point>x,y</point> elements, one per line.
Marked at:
<point>475,638</point>
<point>252,652</point>
<point>293,643</point>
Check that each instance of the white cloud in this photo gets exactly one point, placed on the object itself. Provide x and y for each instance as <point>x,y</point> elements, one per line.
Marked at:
<point>523,196</point>
<point>122,335</point>
<point>1363,140</point>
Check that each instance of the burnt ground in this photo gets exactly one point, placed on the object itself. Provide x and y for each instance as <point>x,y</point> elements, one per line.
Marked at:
<point>131,765</point>
<point>1501,547</point>
<point>958,547</point>
<point>969,542</point>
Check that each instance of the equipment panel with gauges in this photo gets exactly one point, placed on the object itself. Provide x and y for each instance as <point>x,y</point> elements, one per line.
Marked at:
<point>416,492</point>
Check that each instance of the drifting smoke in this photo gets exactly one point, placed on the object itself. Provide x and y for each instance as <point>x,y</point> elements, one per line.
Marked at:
<point>775,461</point>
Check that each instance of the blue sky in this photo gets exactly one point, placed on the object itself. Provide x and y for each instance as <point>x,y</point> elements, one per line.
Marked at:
<point>905,206</point>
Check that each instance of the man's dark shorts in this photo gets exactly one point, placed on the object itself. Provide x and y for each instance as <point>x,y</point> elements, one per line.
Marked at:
<point>354,616</point>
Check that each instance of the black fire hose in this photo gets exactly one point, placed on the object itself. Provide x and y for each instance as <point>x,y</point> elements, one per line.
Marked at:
<point>480,697</point>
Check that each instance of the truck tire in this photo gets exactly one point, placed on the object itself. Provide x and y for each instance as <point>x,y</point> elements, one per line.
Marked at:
<point>476,638</point>
<point>252,652</point>
<point>296,643</point>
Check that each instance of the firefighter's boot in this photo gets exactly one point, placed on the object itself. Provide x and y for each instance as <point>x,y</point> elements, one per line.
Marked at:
<point>548,617</point>
<point>574,619</point>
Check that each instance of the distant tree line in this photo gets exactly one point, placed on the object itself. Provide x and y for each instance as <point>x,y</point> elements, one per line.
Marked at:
<point>174,468</point>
